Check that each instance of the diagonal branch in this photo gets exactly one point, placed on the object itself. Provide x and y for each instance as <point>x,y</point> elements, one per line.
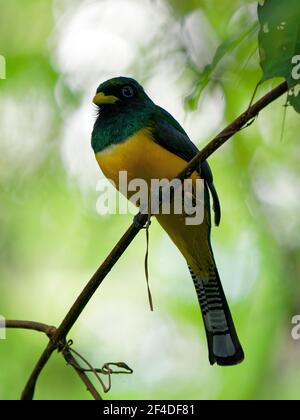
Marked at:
<point>69,358</point>
<point>131,233</point>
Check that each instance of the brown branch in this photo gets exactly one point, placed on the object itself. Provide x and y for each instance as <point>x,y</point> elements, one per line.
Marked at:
<point>69,358</point>
<point>30,325</point>
<point>131,233</point>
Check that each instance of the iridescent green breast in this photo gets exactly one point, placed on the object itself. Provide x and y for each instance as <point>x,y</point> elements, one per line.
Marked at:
<point>116,127</point>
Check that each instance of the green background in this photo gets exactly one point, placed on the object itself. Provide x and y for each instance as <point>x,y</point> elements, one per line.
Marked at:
<point>52,239</point>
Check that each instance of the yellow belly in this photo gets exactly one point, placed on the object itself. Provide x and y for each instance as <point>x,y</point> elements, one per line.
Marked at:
<point>142,158</point>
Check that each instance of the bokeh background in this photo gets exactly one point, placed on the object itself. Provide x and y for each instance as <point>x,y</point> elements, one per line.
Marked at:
<point>52,239</point>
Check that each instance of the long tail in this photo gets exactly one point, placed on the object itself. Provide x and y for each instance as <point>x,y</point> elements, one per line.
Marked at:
<point>223,344</point>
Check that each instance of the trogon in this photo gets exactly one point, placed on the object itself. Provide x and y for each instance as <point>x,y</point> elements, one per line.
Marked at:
<point>133,134</point>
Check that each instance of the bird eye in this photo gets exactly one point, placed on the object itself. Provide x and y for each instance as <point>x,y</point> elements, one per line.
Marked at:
<point>127,92</point>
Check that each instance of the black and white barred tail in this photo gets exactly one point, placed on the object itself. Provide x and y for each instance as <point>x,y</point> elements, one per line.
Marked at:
<point>223,344</point>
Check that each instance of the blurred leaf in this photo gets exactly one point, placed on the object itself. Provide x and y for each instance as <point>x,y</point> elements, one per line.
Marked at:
<point>184,7</point>
<point>294,98</point>
<point>204,77</point>
<point>279,42</point>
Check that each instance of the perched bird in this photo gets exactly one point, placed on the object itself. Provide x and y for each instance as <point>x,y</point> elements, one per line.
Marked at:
<point>133,134</point>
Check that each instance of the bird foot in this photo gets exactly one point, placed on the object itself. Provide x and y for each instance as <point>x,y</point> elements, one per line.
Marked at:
<point>138,224</point>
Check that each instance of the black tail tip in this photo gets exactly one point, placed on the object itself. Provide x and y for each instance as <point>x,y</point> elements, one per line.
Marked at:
<point>234,360</point>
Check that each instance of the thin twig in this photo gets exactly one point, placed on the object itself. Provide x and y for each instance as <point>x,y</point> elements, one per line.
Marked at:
<point>68,353</point>
<point>49,331</point>
<point>131,233</point>
<point>70,359</point>
<point>150,299</point>
<point>284,118</point>
<point>68,350</point>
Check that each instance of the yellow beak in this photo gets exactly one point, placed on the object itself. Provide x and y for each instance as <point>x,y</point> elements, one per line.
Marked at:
<point>102,99</point>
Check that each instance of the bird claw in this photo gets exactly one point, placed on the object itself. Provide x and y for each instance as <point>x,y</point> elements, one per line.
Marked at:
<point>138,224</point>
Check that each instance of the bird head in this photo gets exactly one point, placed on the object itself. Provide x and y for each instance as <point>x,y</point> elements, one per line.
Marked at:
<point>120,92</point>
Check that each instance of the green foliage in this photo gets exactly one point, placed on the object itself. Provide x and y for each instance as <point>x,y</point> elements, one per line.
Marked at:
<point>205,76</point>
<point>294,98</point>
<point>279,43</point>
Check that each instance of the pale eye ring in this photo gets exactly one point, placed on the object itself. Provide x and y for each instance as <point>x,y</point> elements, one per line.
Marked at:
<point>127,92</point>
